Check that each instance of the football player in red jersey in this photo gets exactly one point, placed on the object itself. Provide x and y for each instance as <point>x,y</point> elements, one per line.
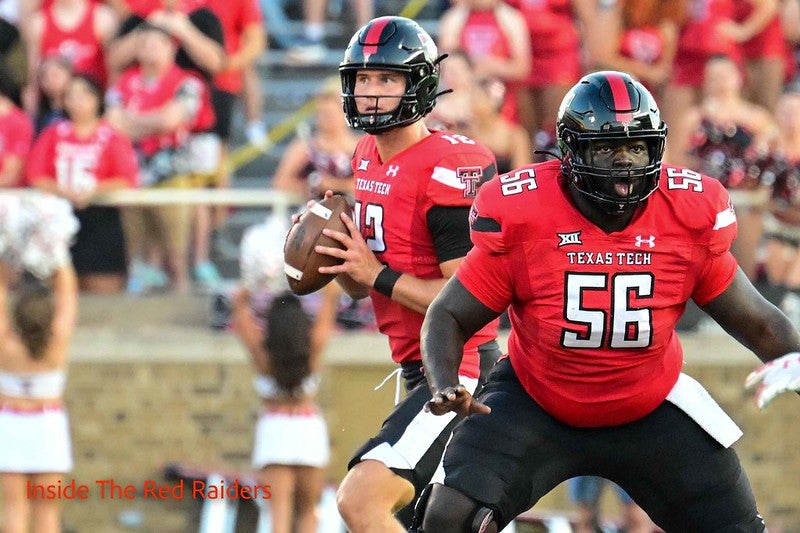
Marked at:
<point>413,191</point>
<point>597,255</point>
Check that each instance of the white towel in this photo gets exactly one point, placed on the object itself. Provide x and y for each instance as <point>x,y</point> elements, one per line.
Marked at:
<point>695,401</point>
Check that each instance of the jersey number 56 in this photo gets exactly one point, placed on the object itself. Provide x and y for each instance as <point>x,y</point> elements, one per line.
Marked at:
<point>630,327</point>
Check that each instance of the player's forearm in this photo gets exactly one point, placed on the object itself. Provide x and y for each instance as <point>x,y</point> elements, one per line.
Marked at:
<point>415,293</point>
<point>442,344</point>
<point>753,321</point>
<point>776,337</point>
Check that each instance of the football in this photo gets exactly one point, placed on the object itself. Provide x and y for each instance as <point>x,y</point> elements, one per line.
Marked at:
<point>300,261</point>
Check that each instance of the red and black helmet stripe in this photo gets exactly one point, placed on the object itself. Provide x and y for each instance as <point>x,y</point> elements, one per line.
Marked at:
<point>373,37</point>
<point>622,98</point>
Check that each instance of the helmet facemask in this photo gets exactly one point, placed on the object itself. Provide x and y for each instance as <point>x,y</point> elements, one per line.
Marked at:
<point>600,184</point>
<point>406,111</point>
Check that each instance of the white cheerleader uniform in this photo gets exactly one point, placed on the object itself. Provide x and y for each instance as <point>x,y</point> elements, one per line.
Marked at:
<point>295,438</point>
<point>34,440</point>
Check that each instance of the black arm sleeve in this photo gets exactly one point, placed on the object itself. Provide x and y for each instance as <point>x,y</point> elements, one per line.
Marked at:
<point>449,227</point>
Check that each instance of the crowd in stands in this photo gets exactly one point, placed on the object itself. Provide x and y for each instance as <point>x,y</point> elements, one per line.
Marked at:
<point>158,84</point>
<point>161,80</point>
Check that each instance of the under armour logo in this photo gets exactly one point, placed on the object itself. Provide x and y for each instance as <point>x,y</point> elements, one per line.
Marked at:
<point>393,170</point>
<point>569,238</point>
<point>651,241</point>
<point>363,164</point>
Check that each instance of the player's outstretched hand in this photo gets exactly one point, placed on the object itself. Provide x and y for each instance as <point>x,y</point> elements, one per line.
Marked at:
<point>777,376</point>
<point>456,399</point>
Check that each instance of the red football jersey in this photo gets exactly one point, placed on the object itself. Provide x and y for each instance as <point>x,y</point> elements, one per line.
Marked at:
<point>593,314</point>
<point>392,202</point>
<point>79,164</point>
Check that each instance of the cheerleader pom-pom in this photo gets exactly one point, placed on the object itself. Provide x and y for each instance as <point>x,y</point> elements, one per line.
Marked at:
<point>49,228</point>
<point>261,255</point>
<point>11,228</point>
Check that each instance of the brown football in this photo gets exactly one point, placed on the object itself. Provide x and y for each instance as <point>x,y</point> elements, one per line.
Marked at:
<point>300,261</point>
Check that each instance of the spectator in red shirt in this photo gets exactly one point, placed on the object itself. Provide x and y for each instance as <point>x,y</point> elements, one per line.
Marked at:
<point>567,38</point>
<point>198,33</point>
<point>16,132</point>
<point>494,37</point>
<point>159,105</point>
<point>244,41</point>
<point>727,137</point>
<point>77,30</point>
<point>77,159</point>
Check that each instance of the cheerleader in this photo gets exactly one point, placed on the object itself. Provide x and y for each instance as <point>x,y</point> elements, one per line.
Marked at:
<point>35,450</point>
<point>291,447</point>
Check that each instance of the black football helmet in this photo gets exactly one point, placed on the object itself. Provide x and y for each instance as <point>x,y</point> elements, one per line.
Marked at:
<point>398,44</point>
<point>610,106</point>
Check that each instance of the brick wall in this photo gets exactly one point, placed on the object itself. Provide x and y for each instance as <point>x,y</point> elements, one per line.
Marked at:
<point>130,418</point>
